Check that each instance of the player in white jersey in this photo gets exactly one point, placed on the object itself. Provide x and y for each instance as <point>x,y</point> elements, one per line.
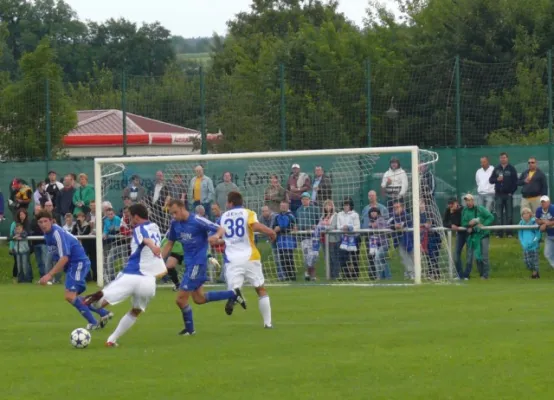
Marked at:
<point>138,278</point>
<point>242,258</point>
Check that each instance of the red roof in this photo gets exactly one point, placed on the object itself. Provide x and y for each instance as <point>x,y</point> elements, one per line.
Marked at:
<point>111,122</point>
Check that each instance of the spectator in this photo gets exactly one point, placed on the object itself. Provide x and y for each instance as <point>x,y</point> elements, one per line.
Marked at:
<point>373,203</point>
<point>201,189</point>
<point>83,196</point>
<point>298,183</point>
<point>328,222</point>
<point>427,185</point>
<point>49,206</point>
<point>453,220</point>
<point>348,221</point>
<point>127,202</point>
<point>21,196</point>
<point>216,213</point>
<point>69,224</point>
<point>534,184</point>
<point>135,191</point>
<point>321,188</point>
<point>22,251</point>
<point>41,196</point>
<point>474,218</point>
<point>394,183</point>
<point>504,178</point>
<point>403,239</point>
<point>283,224</point>
<point>200,210</point>
<point>545,219</point>
<point>430,241</point>
<point>223,189</point>
<point>275,194</point>
<point>76,184</point>
<point>307,218</point>
<point>38,247</point>
<point>22,271</point>
<point>64,198</point>
<point>83,228</point>
<point>176,190</point>
<point>485,189</point>
<point>377,246</point>
<point>126,228</point>
<point>91,217</point>
<point>266,218</point>
<point>530,242</point>
<point>112,224</point>
<point>53,187</point>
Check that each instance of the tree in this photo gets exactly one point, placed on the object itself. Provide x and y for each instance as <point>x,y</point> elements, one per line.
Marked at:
<point>23,107</point>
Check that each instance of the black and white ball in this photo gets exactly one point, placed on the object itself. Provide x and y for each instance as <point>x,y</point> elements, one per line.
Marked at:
<point>80,338</point>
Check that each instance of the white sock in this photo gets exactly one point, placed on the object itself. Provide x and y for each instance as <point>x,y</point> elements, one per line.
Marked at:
<point>125,323</point>
<point>265,309</point>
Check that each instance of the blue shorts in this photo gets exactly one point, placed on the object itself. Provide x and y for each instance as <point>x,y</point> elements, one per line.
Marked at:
<point>75,277</point>
<point>195,276</point>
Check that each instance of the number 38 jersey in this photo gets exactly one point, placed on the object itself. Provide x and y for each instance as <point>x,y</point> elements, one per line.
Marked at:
<point>239,236</point>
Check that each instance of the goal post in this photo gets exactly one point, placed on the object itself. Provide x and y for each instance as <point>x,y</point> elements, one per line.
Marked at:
<point>352,172</point>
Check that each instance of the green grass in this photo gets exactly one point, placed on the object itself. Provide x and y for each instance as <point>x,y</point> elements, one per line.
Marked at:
<point>199,57</point>
<point>482,340</point>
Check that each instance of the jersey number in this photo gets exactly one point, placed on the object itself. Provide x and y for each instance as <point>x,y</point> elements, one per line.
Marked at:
<point>156,238</point>
<point>235,227</point>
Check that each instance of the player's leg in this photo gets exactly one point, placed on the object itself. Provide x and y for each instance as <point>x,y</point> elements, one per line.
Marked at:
<point>182,302</point>
<point>235,280</point>
<point>254,275</point>
<point>75,284</point>
<point>171,265</point>
<point>143,290</point>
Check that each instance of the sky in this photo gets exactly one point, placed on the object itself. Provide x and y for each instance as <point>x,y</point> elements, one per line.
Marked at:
<point>188,18</point>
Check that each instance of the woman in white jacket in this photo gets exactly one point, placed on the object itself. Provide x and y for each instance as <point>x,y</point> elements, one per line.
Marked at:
<point>394,183</point>
<point>348,221</point>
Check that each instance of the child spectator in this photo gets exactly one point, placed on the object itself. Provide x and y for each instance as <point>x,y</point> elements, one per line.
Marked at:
<point>348,221</point>
<point>21,249</point>
<point>69,223</point>
<point>377,246</point>
<point>125,228</point>
<point>283,224</point>
<point>530,242</point>
<point>403,239</point>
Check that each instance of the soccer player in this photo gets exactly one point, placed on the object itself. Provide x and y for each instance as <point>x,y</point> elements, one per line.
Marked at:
<point>69,255</point>
<point>193,232</point>
<point>242,258</point>
<point>138,278</point>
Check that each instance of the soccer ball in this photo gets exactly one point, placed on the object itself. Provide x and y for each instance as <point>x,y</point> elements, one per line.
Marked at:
<point>80,338</point>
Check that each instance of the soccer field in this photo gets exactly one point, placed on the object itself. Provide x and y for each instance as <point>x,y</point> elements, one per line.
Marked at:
<point>482,340</point>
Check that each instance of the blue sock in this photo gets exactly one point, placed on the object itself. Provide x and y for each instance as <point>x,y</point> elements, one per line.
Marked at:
<point>84,310</point>
<point>99,311</point>
<point>219,295</point>
<point>187,318</point>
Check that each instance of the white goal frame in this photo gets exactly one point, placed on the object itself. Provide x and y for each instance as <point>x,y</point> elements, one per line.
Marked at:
<point>412,150</point>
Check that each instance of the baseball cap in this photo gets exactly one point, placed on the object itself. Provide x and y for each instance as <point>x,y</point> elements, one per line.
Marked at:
<point>545,198</point>
<point>306,194</point>
<point>468,196</point>
<point>295,166</point>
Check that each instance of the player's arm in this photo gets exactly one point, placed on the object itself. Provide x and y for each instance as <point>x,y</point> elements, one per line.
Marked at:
<point>60,265</point>
<point>152,246</point>
<point>261,228</point>
<point>166,249</point>
<point>215,239</point>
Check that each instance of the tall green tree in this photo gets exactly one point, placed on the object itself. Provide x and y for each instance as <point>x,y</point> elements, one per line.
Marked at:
<point>24,106</point>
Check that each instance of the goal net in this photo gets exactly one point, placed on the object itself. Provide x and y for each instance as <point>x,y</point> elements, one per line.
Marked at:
<point>344,216</point>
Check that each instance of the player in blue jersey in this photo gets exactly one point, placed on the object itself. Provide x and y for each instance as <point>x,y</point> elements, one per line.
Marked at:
<point>195,234</point>
<point>70,257</point>
<point>138,278</point>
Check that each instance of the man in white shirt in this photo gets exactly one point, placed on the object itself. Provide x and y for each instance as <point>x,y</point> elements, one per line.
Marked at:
<point>485,190</point>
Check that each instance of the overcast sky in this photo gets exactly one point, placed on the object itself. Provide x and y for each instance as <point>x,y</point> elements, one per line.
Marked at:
<point>189,18</point>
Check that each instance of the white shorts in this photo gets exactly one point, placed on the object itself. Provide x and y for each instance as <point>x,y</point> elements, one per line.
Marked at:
<point>250,271</point>
<point>140,287</point>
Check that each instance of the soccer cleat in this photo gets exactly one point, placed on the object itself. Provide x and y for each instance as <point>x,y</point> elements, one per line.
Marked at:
<point>240,299</point>
<point>184,332</point>
<point>175,288</point>
<point>94,327</point>
<point>229,306</point>
<point>111,344</point>
<point>268,326</point>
